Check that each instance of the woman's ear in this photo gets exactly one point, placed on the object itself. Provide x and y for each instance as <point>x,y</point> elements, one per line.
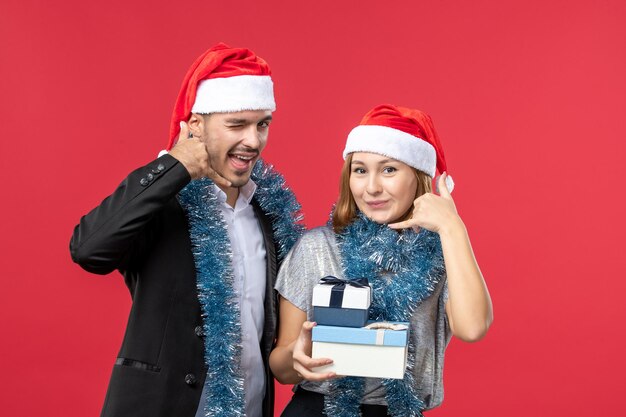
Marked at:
<point>196,124</point>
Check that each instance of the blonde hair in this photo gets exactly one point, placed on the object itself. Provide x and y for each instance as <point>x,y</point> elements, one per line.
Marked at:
<point>346,210</point>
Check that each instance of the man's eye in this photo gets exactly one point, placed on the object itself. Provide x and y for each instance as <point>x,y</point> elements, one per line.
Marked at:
<point>264,124</point>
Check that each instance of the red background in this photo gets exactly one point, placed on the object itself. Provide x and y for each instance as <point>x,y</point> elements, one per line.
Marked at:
<point>528,98</point>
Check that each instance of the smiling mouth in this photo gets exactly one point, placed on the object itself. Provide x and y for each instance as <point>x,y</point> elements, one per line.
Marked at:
<point>376,204</point>
<point>242,161</point>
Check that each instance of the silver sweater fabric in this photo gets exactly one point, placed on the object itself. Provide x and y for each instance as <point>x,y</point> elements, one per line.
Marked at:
<point>315,256</point>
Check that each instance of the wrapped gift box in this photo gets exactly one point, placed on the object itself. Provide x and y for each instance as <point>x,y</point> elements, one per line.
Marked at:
<point>376,353</point>
<point>338,302</point>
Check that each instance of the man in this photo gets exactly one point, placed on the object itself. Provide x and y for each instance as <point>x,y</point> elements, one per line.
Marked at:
<point>198,234</point>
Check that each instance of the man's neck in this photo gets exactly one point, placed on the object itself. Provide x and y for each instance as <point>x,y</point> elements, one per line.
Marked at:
<point>232,193</point>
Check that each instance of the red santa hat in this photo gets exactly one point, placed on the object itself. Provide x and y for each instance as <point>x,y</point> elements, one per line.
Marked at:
<point>223,80</point>
<point>400,133</point>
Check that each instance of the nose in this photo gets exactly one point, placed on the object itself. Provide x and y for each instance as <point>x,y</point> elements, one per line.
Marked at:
<point>373,184</point>
<point>251,137</point>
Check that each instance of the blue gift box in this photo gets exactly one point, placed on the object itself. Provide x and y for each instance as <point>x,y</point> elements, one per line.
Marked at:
<point>346,317</point>
<point>361,335</point>
<point>375,353</point>
<point>338,302</point>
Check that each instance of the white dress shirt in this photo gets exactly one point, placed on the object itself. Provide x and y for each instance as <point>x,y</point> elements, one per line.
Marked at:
<point>249,267</point>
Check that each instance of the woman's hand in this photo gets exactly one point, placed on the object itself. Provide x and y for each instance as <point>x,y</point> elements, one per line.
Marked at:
<point>432,212</point>
<point>468,308</point>
<point>303,363</point>
<point>291,360</point>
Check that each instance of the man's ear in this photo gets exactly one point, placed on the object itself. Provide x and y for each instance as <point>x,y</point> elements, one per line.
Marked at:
<point>196,124</point>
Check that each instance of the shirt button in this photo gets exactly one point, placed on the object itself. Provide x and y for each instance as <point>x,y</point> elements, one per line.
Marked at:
<point>155,171</point>
<point>150,177</point>
<point>198,331</point>
<point>143,182</point>
<point>190,379</point>
<point>161,167</point>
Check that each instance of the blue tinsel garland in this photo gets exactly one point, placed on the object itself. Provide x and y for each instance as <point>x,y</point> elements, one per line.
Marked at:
<point>214,278</point>
<point>403,270</point>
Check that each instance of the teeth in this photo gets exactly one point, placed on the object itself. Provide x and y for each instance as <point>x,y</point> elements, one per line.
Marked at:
<point>244,158</point>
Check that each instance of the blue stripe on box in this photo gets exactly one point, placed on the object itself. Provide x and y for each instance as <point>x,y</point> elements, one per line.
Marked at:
<point>346,317</point>
<point>358,336</point>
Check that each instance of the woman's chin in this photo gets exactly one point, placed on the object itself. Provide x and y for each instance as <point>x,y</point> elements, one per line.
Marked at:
<point>381,218</point>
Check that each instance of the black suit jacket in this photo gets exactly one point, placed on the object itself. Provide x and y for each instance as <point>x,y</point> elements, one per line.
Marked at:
<point>142,231</point>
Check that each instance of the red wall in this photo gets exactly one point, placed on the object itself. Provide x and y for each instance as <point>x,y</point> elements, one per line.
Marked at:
<point>528,98</point>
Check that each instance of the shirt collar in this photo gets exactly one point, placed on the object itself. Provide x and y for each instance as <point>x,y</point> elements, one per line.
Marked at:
<point>245,193</point>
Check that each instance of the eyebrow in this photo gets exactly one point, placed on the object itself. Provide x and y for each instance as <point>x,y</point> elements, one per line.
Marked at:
<point>382,162</point>
<point>247,121</point>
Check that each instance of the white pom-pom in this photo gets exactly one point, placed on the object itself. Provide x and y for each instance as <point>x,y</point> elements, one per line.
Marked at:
<point>163,152</point>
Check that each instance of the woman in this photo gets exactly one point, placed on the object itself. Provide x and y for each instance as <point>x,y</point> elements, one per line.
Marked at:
<point>414,249</point>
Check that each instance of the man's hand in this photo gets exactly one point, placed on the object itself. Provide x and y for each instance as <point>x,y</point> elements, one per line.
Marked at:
<point>192,153</point>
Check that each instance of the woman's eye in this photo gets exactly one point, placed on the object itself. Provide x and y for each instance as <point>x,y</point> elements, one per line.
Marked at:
<point>358,171</point>
<point>389,170</point>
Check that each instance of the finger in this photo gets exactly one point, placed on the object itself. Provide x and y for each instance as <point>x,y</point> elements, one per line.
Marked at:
<point>184,131</point>
<point>442,187</point>
<point>310,375</point>
<point>306,332</point>
<point>402,225</point>
<point>314,376</point>
<point>309,362</point>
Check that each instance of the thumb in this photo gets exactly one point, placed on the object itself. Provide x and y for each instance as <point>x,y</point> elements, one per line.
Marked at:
<point>307,329</point>
<point>442,187</point>
<point>184,131</point>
